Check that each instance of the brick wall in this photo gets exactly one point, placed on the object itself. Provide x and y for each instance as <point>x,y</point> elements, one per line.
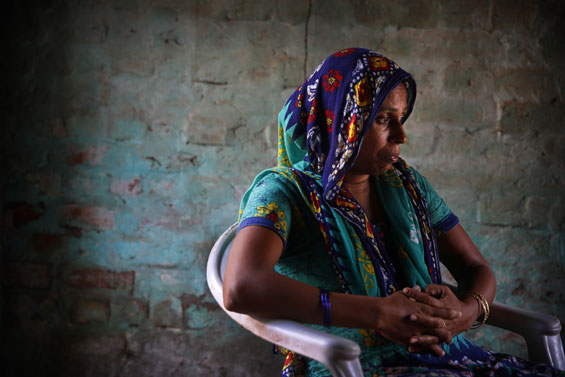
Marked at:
<point>132,128</point>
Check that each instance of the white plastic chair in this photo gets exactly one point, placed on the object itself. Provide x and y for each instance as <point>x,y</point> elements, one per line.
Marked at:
<point>341,356</point>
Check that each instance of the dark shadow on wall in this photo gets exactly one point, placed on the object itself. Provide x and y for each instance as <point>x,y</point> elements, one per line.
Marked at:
<point>62,316</point>
<point>33,34</point>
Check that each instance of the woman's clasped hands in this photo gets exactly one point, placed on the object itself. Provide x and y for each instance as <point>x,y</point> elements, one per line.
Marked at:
<point>422,320</point>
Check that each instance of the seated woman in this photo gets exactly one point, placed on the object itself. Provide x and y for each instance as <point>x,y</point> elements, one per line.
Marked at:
<point>343,233</point>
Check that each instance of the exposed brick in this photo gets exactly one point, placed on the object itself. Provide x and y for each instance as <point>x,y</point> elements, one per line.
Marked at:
<point>86,310</point>
<point>476,114</point>
<point>464,14</point>
<point>99,216</point>
<point>17,214</point>
<point>407,13</point>
<point>95,344</point>
<point>167,313</point>
<point>73,231</point>
<point>46,242</point>
<point>24,275</point>
<point>520,290</point>
<point>58,128</point>
<point>48,184</point>
<point>237,10</point>
<point>501,208</point>
<point>30,309</point>
<point>91,156</point>
<point>198,128</point>
<point>132,310</point>
<point>198,312</point>
<point>162,188</point>
<point>519,118</point>
<point>525,86</point>
<point>509,15</point>
<point>187,300</point>
<point>293,15</point>
<point>98,278</point>
<point>181,161</point>
<point>467,78</point>
<point>545,213</point>
<point>171,219</point>
<point>126,187</point>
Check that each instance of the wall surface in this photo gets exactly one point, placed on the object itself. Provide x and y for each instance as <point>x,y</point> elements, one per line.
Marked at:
<point>131,129</point>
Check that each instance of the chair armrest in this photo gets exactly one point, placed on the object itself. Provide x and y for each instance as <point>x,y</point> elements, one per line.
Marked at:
<point>340,355</point>
<point>522,321</point>
<point>540,331</point>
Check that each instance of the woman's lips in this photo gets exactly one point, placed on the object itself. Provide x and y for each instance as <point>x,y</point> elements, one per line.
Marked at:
<point>389,158</point>
<point>392,158</point>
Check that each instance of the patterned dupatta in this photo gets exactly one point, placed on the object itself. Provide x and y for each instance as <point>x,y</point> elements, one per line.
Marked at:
<point>321,128</point>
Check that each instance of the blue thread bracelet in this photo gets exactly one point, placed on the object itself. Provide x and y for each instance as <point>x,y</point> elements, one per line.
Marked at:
<point>326,306</point>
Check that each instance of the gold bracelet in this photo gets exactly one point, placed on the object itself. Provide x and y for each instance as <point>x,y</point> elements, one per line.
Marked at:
<point>485,306</point>
<point>483,303</point>
<point>486,309</point>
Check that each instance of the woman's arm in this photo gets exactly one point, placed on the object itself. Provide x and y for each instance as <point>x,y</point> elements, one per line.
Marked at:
<point>467,265</point>
<point>252,286</point>
<point>472,272</point>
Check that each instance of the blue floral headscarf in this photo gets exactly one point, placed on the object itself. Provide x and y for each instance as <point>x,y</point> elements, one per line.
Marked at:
<point>327,117</point>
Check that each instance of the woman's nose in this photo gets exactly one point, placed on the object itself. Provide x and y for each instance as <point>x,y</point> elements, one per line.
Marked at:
<point>398,135</point>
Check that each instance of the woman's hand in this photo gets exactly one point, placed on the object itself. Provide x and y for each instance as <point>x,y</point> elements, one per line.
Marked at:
<point>415,324</point>
<point>440,296</point>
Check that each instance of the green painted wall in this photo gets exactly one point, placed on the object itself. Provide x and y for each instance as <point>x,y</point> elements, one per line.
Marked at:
<point>131,129</point>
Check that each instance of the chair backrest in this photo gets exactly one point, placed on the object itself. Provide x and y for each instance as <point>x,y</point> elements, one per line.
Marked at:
<point>217,262</point>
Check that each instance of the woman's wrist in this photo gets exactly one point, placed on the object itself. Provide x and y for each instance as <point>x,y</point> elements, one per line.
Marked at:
<point>354,311</point>
<point>382,309</point>
<point>470,311</point>
<point>326,307</point>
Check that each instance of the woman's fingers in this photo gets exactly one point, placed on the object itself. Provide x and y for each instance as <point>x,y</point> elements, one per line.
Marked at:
<point>419,296</point>
<point>417,289</point>
<point>432,290</point>
<point>436,326</point>
<point>435,307</point>
<point>434,350</point>
<point>437,291</point>
<point>426,344</point>
<point>429,321</point>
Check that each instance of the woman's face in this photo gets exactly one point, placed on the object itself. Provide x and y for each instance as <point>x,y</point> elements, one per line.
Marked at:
<point>381,144</point>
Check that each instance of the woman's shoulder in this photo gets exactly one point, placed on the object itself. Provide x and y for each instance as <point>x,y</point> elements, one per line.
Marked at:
<point>273,201</point>
<point>278,180</point>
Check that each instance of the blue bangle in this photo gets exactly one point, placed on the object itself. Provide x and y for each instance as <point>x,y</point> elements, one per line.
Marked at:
<point>326,306</point>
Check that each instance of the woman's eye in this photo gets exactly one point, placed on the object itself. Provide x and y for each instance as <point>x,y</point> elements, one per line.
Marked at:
<point>382,119</point>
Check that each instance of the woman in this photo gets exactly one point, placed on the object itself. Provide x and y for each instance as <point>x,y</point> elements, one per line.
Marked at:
<point>339,231</point>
